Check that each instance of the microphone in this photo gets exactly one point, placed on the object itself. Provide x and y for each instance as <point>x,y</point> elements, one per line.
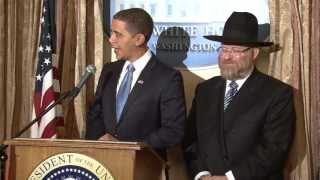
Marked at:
<point>90,70</point>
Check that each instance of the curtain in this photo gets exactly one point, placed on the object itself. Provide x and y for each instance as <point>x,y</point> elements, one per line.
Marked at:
<point>80,43</point>
<point>315,88</point>
<point>295,28</point>
<point>19,27</point>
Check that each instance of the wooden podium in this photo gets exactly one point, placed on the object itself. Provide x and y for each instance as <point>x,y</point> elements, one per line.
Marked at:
<point>124,160</point>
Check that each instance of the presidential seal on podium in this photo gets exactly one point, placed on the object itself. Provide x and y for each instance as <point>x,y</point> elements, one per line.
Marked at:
<point>70,166</point>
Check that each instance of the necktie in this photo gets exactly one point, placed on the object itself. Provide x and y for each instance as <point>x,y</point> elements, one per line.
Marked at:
<point>231,92</point>
<point>124,91</point>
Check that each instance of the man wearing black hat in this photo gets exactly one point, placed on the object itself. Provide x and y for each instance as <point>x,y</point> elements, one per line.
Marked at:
<point>241,123</point>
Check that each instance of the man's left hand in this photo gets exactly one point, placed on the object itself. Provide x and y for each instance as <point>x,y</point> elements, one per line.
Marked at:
<point>108,137</point>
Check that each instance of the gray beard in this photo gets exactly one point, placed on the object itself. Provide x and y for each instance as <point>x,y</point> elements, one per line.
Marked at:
<point>235,72</point>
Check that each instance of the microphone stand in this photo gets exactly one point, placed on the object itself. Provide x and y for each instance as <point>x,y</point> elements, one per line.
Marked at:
<point>3,156</point>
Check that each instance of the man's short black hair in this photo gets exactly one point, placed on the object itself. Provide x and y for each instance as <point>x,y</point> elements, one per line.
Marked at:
<point>138,21</point>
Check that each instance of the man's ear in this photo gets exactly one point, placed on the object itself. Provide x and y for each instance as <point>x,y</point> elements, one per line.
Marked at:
<point>140,39</point>
<point>255,52</point>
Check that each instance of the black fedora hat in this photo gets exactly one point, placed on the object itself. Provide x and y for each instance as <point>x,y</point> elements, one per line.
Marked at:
<point>241,28</point>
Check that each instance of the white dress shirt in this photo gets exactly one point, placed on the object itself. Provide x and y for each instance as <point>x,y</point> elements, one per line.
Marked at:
<point>229,173</point>
<point>240,82</point>
<point>139,65</point>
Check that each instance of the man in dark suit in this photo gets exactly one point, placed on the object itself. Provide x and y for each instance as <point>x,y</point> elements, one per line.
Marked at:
<point>241,123</point>
<point>137,98</point>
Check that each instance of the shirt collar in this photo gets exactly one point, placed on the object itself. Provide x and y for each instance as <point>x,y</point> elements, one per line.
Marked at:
<point>141,62</point>
<point>240,82</point>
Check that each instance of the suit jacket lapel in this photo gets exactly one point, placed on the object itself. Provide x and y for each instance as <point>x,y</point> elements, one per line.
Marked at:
<point>242,101</point>
<point>137,89</point>
<point>215,109</point>
<point>111,91</point>
<point>221,91</point>
<point>214,118</point>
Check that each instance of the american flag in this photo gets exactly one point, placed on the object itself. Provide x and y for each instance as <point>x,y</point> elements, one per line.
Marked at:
<point>46,81</point>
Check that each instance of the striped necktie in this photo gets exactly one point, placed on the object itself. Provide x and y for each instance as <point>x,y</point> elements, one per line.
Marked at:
<point>231,92</point>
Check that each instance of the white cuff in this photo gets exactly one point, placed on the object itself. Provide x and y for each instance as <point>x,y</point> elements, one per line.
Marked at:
<point>202,173</point>
<point>229,175</point>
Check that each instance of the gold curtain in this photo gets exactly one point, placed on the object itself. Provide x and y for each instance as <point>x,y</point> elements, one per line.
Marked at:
<point>314,122</point>
<point>79,43</point>
<point>295,28</point>
<point>19,27</point>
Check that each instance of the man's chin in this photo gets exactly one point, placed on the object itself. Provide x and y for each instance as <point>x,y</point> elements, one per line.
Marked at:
<point>229,75</point>
<point>234,75</point>
<point>118,56</point>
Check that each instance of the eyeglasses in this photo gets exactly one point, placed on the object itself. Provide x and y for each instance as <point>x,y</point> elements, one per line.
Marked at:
<point>232,50</point>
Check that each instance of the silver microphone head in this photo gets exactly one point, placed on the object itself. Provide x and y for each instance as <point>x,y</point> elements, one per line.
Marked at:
<point>91,69</point>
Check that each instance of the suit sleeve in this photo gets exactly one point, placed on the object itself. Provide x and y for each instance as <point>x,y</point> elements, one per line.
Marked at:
<point>269,155</point>
<point>173,114</point>
<point>94,122</point>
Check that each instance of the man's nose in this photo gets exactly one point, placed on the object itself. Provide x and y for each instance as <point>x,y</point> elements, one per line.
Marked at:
<point>111,38</point>
<point>226,56</point>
